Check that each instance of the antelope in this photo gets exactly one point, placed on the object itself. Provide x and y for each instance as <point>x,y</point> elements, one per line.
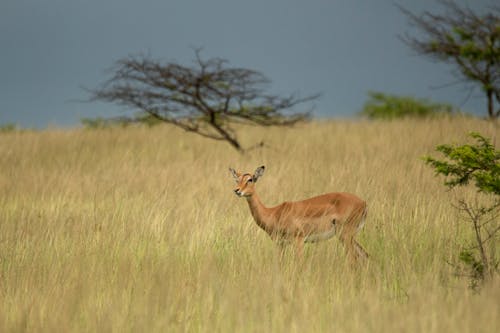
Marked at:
<point>311,220</point>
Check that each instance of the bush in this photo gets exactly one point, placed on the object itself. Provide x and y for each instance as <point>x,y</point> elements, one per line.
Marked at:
<point>5,128</point>
<point>477,163</point>
<point>94,123</point>
<point>384,106</point>
<point>101,123</point>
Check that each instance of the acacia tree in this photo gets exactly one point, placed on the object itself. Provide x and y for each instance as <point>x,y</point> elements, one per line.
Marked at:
<point>207,99</point>
<point>465,39</point>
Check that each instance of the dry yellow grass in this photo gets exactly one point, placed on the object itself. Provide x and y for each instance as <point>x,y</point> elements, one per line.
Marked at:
<point>138,230</point>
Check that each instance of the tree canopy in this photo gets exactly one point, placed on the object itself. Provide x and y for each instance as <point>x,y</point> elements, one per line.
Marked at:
<point>465,39</point>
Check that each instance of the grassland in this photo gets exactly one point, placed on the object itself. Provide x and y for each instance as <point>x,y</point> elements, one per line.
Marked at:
<point>137,230</point>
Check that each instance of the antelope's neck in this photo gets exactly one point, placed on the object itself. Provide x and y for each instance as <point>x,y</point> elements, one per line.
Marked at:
<point>259,212</point>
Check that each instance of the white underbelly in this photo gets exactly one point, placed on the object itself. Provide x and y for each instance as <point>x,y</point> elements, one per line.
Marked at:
<point>320,236</point>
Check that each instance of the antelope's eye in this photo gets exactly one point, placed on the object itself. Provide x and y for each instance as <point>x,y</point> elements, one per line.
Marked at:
<point>250,180</point>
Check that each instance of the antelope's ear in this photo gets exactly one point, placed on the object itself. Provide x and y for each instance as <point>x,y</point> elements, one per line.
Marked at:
<point>258,172</point>
<point>236,175</point>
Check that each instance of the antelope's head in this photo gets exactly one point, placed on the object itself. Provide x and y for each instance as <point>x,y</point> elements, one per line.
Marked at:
<point>246,182</point>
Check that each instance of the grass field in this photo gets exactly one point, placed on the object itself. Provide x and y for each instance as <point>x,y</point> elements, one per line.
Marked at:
<point>137,230</point>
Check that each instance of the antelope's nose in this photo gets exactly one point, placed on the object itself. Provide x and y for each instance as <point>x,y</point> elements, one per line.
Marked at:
<point>237,191</point>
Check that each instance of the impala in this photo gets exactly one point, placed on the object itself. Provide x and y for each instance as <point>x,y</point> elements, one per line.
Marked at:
<point>311,220</point>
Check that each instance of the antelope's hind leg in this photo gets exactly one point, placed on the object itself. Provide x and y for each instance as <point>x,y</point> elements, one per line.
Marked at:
<point>360,251</point>
<point>353,249</point>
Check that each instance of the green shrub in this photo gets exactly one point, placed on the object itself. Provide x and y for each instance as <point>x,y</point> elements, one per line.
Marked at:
<point>101,123</point>
<point>385,106</point>
<point>5,128</point>
<point>95,123</point>
<point>477,163</point>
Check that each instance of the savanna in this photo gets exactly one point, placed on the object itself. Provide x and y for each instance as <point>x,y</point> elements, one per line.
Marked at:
<point>137,229</point>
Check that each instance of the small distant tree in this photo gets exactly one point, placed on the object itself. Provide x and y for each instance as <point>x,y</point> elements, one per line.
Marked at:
<point>385,106</point>
<point>465,39</point>
<point>208,98</point>
<point>6,128</point>
<point>141,118</point>
<point>97,123</point>
<point>479,164</point>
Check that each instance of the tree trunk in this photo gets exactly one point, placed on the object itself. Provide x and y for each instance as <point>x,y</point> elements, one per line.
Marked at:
<point>227,137</point>
<point>491,110</point>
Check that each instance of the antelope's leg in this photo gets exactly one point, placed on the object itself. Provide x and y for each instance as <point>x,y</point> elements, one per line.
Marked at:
<point>361,253</point>
<point>299,246</point>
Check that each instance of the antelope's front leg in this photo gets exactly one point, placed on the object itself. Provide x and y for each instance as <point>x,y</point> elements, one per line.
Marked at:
<point>299,246</point>
<point>282,245</point>
<point>280,242</point>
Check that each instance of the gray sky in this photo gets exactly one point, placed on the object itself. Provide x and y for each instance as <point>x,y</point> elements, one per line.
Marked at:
<point>341,48</point>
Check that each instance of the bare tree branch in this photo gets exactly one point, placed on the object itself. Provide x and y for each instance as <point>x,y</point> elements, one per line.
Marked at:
<point>207,99</point>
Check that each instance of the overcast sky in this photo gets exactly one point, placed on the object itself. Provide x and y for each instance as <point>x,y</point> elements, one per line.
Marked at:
<point>341,48</point>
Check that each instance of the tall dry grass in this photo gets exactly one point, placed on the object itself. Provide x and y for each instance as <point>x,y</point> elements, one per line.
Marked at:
<point>138,230</point>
